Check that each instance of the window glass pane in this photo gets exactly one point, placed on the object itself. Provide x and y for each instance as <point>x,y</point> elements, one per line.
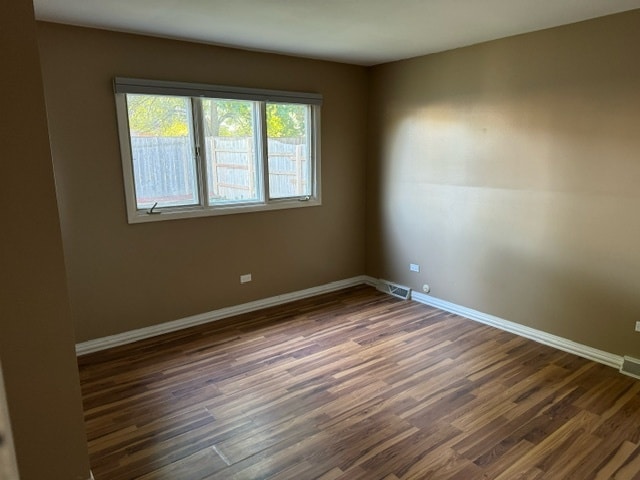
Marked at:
<point>288,147</point>
<point>232,157</point>
<point>162,150</point>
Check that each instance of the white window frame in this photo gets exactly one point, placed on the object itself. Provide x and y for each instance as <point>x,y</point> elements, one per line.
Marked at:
<point>124,86</point>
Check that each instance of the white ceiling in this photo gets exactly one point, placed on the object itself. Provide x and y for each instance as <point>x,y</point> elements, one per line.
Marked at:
<point>364,32</point>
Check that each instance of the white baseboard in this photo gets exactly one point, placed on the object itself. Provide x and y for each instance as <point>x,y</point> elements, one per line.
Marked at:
<point>172,326</point>
<point>600,356</point>
<point>539,336</point>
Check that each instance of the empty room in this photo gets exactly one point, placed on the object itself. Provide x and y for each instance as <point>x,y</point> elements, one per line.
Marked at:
<point>320,240</point>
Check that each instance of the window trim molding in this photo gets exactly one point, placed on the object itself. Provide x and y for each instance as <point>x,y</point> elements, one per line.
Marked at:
<point>183,89</point>
<point>123,86</point>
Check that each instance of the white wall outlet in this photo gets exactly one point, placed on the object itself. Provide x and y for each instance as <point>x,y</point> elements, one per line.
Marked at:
<point>245,278</point>
<point>426,288</point>
<point>414,267</point>
<point>637,326</point>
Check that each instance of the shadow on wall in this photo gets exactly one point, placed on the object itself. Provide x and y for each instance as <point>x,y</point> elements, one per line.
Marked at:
<point>531,258</point>
<point>515,229</point>
<point>594,308</point>
<point>509,171</point>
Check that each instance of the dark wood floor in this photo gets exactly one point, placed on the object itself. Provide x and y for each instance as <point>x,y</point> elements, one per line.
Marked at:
<point>355,385</point>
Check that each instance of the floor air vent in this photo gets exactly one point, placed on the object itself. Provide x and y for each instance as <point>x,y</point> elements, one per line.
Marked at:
<point>394,289</point>
<point>631,367</point>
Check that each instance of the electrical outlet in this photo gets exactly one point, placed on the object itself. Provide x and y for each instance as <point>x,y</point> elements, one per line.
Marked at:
<point>414,267</point>
<point>637,326</point>
<point>426,288</point>
<point>245,278</point>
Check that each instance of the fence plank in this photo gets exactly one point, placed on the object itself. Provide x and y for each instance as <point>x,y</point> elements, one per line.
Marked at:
<point>165,170</point>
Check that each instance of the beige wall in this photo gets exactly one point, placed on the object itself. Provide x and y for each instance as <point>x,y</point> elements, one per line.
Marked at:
<point>510,172</point>
<point>36,333</point>
<point>507,170</point>
<point>123,277</point>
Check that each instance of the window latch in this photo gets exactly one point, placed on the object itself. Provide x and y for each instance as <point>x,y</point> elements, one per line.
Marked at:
<point>151,211</point>
<point>306,198</point>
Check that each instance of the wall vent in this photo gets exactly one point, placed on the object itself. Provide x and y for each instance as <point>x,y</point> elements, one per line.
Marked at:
<point>394,289</point>
<point>631,367</point>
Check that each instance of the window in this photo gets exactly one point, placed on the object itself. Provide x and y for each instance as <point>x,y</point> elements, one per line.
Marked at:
<point>193,150</point>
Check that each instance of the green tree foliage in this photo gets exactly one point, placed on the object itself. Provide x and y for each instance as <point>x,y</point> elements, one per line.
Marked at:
<point>227,118</point>
<point>156,116</point>
<point>286,120</point>
<point>166,116</point>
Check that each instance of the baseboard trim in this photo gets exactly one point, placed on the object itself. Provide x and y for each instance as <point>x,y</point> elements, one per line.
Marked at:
<point>117,340</point>
<point>539,336</point>
<point>566,345</point>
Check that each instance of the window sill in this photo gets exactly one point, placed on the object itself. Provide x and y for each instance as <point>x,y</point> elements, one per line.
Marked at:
<point>141,216</point>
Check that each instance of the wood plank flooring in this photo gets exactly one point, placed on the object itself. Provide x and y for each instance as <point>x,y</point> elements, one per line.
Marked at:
<point>355,385</point>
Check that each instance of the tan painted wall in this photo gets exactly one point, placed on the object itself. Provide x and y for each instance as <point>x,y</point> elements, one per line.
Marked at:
<point>36,333</point>
<point>510,171</point>
<point>123,277</point>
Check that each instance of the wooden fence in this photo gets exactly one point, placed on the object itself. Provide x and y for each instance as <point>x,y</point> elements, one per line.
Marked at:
<point>164,170</point>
